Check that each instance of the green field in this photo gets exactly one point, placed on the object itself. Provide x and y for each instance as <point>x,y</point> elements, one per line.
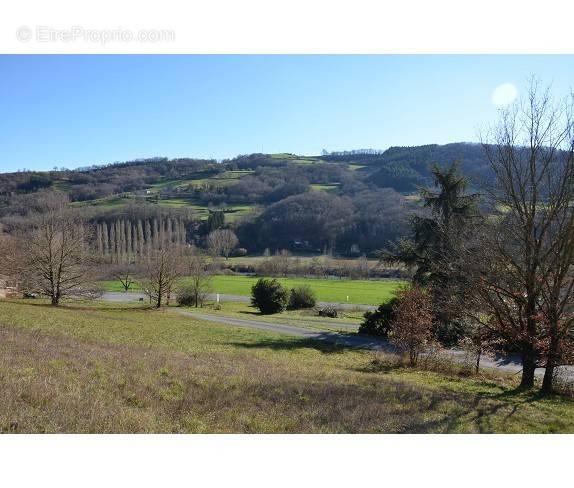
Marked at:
<point>361,292</point>
<point>355,167</point>
<point>121,369</point>
<point>325,187</point>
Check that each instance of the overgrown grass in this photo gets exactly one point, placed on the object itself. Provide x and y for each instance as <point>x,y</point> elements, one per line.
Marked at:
<point>123,369</point>
<point>366,292</point>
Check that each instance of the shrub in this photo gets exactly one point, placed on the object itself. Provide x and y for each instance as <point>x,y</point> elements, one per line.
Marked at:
<point>328,311</point>
<point>239,252</point>
<point>378,322</point>
<point>411,328</point>
<point>301,297</point>
<point>269,296</point>
<point>186,297</point>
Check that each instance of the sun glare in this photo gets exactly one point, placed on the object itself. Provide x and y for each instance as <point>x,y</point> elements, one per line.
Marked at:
<point>504,94</point>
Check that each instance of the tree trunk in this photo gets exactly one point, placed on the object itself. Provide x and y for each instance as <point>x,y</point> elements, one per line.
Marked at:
<point>528,368</point>
<point>528,352</point>
<point>548,381</point>
<point>478,355</point>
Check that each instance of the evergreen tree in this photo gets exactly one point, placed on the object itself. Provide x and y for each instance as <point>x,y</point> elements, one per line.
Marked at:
<point>436,240</point>
<point>216,220</point>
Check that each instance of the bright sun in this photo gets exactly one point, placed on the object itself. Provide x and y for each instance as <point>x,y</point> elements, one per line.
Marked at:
<point>504,94</point>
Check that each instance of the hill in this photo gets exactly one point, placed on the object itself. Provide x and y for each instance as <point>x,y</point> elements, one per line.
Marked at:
<point>352,202</point>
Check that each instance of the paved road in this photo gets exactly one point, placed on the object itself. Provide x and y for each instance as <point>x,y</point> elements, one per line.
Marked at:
<point>351,340</point>
<point>508,364</point>
<point>114,296</point>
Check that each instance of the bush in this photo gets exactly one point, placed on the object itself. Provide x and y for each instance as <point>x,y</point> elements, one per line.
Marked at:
<point>378,322</point>
<point>329,311</point>
<point>269,296</point>
<point>411,328</point>
<point>186,296</point>
<point>301,297</point>
<point>239,252</point>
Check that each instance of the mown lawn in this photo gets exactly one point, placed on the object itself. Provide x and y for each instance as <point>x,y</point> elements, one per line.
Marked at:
<point>347,321</point>
<point>104,368</point>
<point>366,292</point>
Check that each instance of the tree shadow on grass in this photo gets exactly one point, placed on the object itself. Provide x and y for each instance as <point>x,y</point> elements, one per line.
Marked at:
<point>487,411</point>
<point>249,312</point>
<point>84,307</point>
<point>294,344</point>
<point>328,342</point>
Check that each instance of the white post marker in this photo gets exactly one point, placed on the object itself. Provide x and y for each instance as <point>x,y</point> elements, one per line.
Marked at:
<point>217,297</point>
<point>347,297</point>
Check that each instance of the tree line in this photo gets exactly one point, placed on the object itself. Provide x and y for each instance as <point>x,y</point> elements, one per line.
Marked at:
<point>123,240</point>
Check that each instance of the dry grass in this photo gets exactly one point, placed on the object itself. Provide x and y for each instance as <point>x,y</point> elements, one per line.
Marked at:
<point>130,370</point>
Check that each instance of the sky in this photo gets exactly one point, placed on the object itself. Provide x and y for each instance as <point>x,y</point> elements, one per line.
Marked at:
<point>72,111</point>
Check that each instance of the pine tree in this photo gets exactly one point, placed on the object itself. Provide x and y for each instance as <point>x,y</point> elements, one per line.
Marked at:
<point>436,239</point>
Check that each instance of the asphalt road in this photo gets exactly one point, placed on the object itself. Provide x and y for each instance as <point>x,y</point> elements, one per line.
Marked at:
<point>508,364</point>
<point>115,296</point>
<point>350,340</point>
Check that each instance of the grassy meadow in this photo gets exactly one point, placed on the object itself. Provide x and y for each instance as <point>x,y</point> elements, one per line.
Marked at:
<point>112,368</point>
<point>360,292</point>
<point>347,320</point>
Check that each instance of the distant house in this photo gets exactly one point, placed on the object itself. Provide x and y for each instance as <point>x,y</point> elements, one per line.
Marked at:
<point>8,288</point>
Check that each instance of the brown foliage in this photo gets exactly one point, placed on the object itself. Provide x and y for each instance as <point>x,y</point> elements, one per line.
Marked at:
<point>411,329</point>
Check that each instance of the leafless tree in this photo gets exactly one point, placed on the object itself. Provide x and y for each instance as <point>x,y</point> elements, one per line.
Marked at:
<point>125,274</point>
<point>161,272</point>
<point>528,285</point>
<point>198,282</point>
<point>7,250</point>
<point>8,261</point>
<point>55,259</point>
<point>221,242</point>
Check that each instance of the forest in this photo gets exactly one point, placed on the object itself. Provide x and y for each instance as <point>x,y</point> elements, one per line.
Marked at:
<point>350,203</point>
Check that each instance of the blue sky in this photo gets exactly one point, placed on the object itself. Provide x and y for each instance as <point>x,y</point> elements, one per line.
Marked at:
<point>78,110</point>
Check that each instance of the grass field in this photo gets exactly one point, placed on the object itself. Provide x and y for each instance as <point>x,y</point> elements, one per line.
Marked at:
<point>325,187</point>
<point>308,319</point>
<point>86,368</point>
<point>361,292</point>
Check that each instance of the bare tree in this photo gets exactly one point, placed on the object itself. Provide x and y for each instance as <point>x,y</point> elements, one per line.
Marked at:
<point>221,242</point>
<point>125,274</point>
<point>55,257</point>
<point>528,285</point>
<point>8,262</point>
<point>198,282</point>
<point>161,273</point>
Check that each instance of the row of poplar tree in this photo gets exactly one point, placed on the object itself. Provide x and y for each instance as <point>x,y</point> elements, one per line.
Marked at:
<point>122,240</point>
